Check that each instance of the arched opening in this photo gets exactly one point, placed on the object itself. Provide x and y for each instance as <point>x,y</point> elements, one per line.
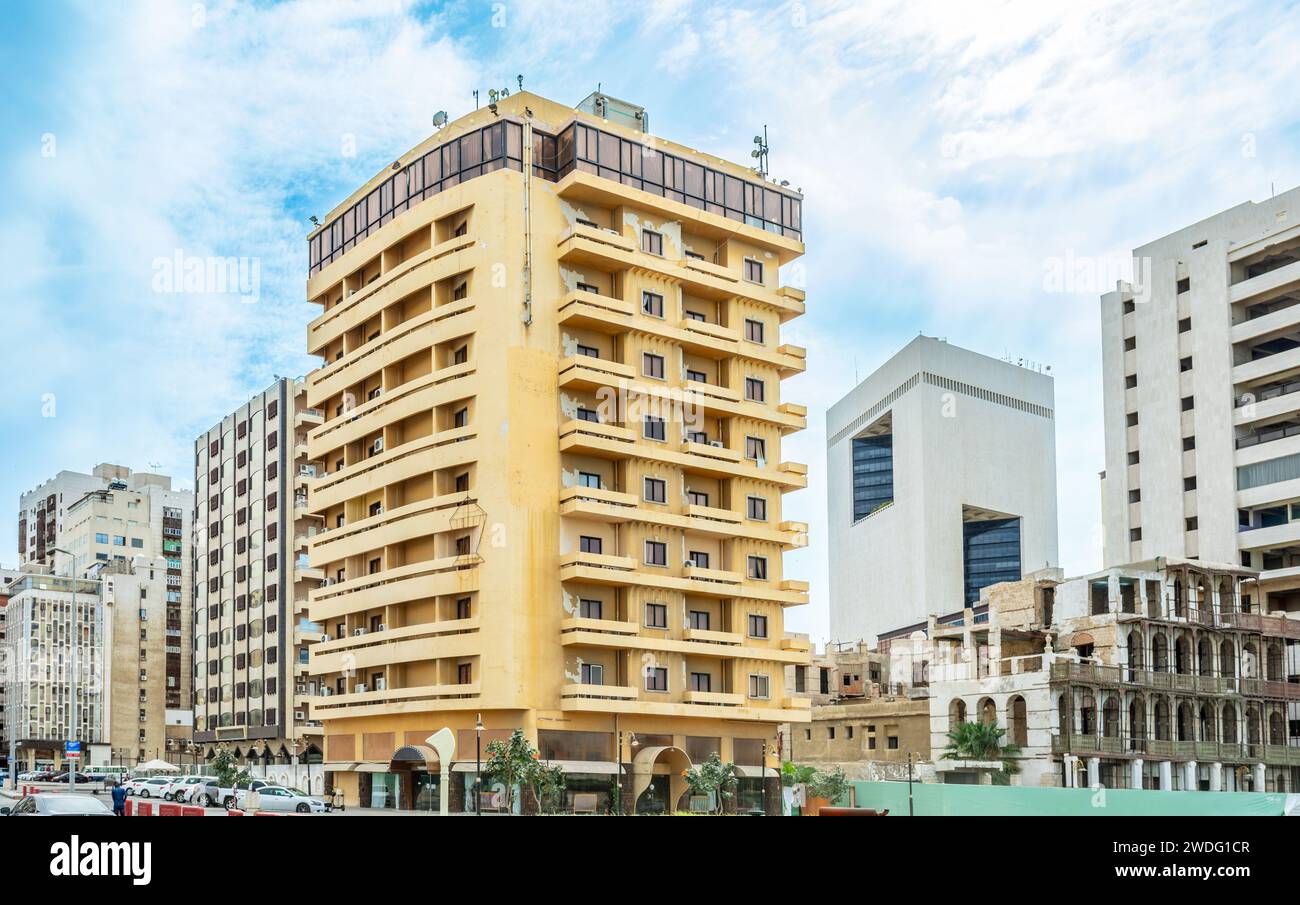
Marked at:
<point>988,712</point>
<point>1228,658</point>
<point>1252,726</point>
<point>1207,723</point>
<point>1017,721</point>
<point>417,778</point>
<point>1137,722</point>
<point>1249,661</point>
<point>1276,732</point>
<point>1062,716</point>
<point>658,780</point>
<point>1183,655</point>
<point>1110,718</point>
<point>1160,653</point>
<point>1186,725</point>
<point>1274,664</point>
<point>956,713</point>
<point>1087,714</point>
<point>1228,732</point>
<point>1136,650</point>
<point>1162,720</point>
<point>1204,657</point>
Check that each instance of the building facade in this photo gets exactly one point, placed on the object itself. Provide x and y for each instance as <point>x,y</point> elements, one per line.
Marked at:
<point>112,520</point>
<point>867,718</point>
<point>551,484</point>
<point>251,580</point>
<point>941,474</point>
<point>7,578</point>
<point>1153,675</point>
<point>1200,362</point>
<point>104,635</point>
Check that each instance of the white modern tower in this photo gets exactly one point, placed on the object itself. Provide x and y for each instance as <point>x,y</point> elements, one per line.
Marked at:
<point>942,480</point>
<point>1201,364</point>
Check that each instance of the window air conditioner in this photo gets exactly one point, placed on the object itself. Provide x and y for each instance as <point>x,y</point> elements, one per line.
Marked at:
<point>380,684</point>
<point>299,715</point>
<point>357,633</point>
<point>717,444</point>
<point>360,687</point>
<point>383,627</point>
<point>378,445</point>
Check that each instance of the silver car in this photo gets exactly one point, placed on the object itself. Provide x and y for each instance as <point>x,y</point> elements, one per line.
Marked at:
<point>58,805</point>
<point>284,800</point>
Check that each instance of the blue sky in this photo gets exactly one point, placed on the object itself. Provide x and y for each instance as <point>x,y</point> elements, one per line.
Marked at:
<point>949,154</point>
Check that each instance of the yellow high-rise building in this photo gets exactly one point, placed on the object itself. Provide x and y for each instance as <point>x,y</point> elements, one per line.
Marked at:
<point>550,475</point>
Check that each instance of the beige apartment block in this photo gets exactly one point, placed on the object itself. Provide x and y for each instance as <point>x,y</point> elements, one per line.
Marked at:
<point>252,578</point>
<point>550,479</point>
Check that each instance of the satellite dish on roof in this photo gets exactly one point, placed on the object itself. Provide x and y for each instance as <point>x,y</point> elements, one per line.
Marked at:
<point>440,119</point>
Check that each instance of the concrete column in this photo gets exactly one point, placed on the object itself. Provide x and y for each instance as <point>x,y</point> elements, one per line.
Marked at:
<point>1258,783</point>
<point>1094,772</point>
<point>1068,762</point>
<point>1191,781</point>
<point>1216,777</point>
<point>1135,780</point>
<point>1166,776</point>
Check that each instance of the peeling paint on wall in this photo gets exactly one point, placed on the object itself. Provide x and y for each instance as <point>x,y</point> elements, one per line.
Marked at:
<point>571,278</point>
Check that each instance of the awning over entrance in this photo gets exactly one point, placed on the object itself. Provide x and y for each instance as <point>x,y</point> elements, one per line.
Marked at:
<point>417,755</point>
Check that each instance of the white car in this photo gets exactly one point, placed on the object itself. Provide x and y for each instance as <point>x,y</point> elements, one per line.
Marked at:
<point>281,799</point>
<point>183,788</point>
<point>148,786</point>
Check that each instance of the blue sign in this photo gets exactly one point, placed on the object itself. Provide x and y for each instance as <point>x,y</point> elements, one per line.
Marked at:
<point>72,749</point>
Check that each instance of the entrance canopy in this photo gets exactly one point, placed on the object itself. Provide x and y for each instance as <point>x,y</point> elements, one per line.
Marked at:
<point>420,756</point>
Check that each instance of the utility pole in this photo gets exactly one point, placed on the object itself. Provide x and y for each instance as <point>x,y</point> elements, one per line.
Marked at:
<point>910,809</point>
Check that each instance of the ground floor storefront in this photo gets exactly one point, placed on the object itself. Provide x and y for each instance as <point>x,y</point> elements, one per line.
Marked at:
<point>612,764</point>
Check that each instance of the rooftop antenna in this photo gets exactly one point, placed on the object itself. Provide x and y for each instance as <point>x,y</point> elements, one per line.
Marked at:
<point>519,79</point>
<point>475,98</point>
<point>760,152</point>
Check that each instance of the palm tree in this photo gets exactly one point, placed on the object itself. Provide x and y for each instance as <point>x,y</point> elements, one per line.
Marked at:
<point>981,741</point>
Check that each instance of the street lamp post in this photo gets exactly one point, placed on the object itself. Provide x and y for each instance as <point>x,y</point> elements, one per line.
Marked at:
<point>478,765</point>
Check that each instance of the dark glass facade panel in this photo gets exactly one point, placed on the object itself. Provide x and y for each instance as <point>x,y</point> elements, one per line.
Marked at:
<point>873,474</point>
<point>990,554</point>
<point>579,147</point>
<point>483,151</point>
<point>645,167</point>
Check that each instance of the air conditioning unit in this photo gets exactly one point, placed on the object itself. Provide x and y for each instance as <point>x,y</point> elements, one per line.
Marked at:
<point>716,444</point>
<point>379,510</point>
<point>383,627</point>
<point>299,715</point>
<point>380,684</point>
<point>688,563</point>
<point>357,633</point>
<point>308,471</point>
<point>360,687</point>
<point>378,445</point>
<point>301,689</point>
<point>326,692</point>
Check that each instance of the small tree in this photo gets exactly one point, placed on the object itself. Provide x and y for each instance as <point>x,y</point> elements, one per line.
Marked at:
<point>547,784</point>
<point>227,770</point>
<point>982,741</point>
<point>509,763</point>
<point>831,785</point>
<point>793,774</point>
<point>713,777</point>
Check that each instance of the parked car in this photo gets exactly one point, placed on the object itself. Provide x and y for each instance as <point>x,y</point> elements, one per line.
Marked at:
<point>214,794</point>
<point>285,800</point>
<point>41,776</point>
<point>181,789</point>
<point>80,778</point>
<point>58,806</point>
<point>148,786</point>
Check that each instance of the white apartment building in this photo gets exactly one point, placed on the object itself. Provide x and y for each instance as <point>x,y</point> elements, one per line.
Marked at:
<point>106,633</point>
<point>1201,363</point>
<point>942,481</point>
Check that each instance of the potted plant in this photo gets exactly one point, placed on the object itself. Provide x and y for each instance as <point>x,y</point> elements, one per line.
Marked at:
<point>824,789</point>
